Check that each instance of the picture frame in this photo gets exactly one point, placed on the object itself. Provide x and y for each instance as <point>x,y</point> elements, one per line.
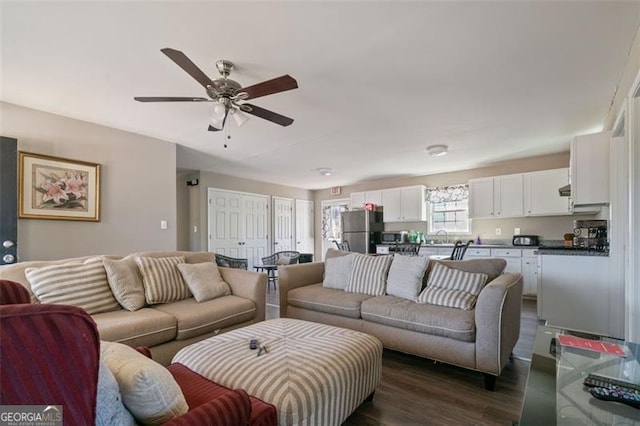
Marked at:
<point>57,188</point>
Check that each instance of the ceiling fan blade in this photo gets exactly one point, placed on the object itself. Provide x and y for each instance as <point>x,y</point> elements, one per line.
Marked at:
<point>268,115</point>
<point>185,63</point>
<point>213,129</point>
<point>168,99</point>
<point>279,84</point>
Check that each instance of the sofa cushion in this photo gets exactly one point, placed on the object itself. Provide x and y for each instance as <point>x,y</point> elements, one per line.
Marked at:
<point>148,390</point>
<point>162,280</point>
<point>332,301</point>
<point>452,287</point>
<point>337,271</point>
<point>424,318</point>
<point>369,274</point>
<point>492,267</point>
<point>204,280</point>
<point>109,407</point>
<point>125,282</point>
<point>405,276</point>
<point>82,284</point>
<point>144,327</point>
<point>196,318</point>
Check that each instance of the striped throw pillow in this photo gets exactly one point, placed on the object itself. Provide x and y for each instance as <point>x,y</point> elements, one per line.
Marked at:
<point>369,274</point>
<point>161,279</point>
<point>79,284</point>
<point>452,288</point>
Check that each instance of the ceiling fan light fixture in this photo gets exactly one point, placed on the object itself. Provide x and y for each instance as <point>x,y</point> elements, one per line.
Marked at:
<point>218,116</point>
<point>239,117</point>
<point>324,171</point>
<point>438,150</point>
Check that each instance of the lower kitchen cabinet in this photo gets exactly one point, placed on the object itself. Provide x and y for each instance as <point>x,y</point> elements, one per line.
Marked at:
<point>529,272</point>
<point>519,261</point>
<point>574,293</point>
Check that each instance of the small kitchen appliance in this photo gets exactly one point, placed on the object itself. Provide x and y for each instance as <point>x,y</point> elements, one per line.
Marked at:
<point>590,234</point>
<point>394,237</point>
<point>525,240</point>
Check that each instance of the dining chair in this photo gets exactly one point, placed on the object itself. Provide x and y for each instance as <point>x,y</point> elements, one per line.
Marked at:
<point>343,246</point>
<point>459,249</point>
<point>407,249</point>
<point>285,257</point>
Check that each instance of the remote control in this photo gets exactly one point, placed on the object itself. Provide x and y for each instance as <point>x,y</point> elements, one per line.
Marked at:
<point>617,395</point>
<point>253,344</point>
<point>595,380</point>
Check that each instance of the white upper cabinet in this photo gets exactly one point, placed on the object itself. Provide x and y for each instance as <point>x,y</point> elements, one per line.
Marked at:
<point>359,199</point>
<point>590,169</point>
<point>500,196</point>
<point>406,204</point>
<point>541,196</point>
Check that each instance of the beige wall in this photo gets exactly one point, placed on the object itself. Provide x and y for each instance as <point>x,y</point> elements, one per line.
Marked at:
<point>138,182</point>
<point>198,199</point>
<point>549,228</point>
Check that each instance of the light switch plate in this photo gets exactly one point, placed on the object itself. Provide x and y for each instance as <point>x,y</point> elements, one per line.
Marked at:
<point>498,231</point>
<point>163,224</point>
<point>516,231</point>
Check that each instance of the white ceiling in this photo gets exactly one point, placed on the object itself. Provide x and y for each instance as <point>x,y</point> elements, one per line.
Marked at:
<point>379,81</point>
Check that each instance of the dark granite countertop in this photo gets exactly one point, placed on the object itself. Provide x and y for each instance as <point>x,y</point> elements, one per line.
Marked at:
<point>571,251</point>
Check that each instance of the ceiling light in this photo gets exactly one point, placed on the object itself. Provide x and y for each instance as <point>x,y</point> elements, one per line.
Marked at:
<point>324,171</point>
<point>438,150</point>
<point>239,117</point>
<point>219,115</point>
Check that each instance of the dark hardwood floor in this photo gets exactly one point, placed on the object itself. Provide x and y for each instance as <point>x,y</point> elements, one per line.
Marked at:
<point>418,391</point>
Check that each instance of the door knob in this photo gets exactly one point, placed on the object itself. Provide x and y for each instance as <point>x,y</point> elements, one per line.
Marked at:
<point>8,258</point>
<point>8,244</point>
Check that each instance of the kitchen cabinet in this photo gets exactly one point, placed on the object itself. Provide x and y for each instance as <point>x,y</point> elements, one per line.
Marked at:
<point>589,166</point>
<point>541,196</point>
<point>529,272</point>
<point>499,196</point>
<point>359,199</point>
<point>406,204</point>
<point>574,293</point>
<point>435,251</point>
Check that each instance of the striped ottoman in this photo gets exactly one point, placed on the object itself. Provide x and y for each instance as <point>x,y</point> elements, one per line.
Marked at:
<point>314,374</point>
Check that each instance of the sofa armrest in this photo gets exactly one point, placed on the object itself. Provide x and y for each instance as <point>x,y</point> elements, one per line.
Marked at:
<point>250,285</point>
<point>298,275</point>
<point>232,408</point>
<point>497,319</point>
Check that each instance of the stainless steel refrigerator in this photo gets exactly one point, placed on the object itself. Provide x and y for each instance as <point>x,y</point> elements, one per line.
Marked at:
<point>362,229</point>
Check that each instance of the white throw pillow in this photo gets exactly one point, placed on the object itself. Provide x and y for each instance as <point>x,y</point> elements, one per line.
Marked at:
<point>337,271</point>
<point>369,274</point>
<point>452,288</point>
<point>110,410</point>
<point>162,280</point>
<point>405,276</point>
<point>125,282</point>
<point>148,390</point>
<point>204,280</point>
<point>82,284</point>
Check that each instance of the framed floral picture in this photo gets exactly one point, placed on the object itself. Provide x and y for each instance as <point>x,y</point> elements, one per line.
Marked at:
<point>58,188</point>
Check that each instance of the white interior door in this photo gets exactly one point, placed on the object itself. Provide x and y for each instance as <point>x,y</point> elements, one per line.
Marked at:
<point>304,226</point>
<point>282,224</point>
<point>239,225</point>
<point>256,219</point>
<point>225,223</point>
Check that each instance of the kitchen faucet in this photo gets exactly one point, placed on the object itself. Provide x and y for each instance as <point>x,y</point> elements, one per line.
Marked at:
<point>446,235</point>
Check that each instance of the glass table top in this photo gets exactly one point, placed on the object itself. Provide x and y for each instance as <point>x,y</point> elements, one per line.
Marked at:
<point>555,394</point>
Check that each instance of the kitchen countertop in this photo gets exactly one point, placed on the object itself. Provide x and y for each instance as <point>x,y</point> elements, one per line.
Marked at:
<point>571,251</point>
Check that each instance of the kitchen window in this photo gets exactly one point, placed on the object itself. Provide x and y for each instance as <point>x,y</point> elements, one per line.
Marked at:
<point>449,209</point>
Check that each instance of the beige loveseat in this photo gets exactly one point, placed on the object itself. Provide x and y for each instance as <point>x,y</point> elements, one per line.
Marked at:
<point>167,327</point>
<point>480,339</point>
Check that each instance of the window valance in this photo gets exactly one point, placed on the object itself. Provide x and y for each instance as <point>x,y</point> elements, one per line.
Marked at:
<point>450,193</point>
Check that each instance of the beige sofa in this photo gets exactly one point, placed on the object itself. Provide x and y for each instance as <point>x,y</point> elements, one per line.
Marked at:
<point>479,339</point>
<point>167,328</point>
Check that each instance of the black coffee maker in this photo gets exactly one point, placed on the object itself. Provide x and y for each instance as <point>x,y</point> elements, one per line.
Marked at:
<point>590,234</point>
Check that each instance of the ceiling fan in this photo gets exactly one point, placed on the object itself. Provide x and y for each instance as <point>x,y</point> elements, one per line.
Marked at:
<point>228,94</point>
